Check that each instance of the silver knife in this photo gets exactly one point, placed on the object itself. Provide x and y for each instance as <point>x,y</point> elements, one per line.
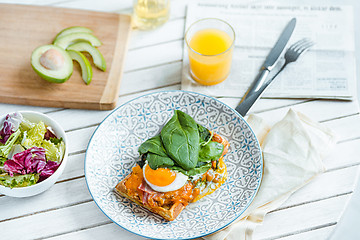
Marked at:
<point>256,88</point>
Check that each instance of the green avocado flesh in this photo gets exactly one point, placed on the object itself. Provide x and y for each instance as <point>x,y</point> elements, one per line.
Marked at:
<point>97,57</point>
<point>54,71</point>
<point>84,64</point>
<point>71,38</point>
<point>70,30</point>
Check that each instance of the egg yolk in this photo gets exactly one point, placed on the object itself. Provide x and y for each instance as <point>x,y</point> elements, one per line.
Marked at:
<point>160,177</point>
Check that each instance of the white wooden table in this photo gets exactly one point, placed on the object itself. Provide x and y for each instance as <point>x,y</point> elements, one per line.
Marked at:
<point>154,62</point>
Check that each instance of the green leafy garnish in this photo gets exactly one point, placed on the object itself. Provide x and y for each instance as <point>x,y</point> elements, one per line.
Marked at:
<point>2,161</point>
<point>18,180</point>
<point>26,125</point>
<point>5,149</point>
<point>53,152</point>
<point>155,153</point>
<point>197,170</point>
<point>204,134</point>
<point>156,161</point>
<point>153,145</point>
<point>35,136</point>
<point>181,140</point>
<point>183,145</point>
<point>211,151</point>
<point>55,140</point>
<point>209,140</point>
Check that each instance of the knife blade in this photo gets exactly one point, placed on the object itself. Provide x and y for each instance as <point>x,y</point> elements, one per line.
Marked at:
<point>256,88</point>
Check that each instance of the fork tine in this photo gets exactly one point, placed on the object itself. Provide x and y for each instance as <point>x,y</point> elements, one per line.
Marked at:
<point>303,46</point>
<point>301,41</point>
<point>306,47</point>
<point>300,46</point>
<point>298,43</point>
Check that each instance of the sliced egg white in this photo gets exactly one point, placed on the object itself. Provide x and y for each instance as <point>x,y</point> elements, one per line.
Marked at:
<point>180,180</point>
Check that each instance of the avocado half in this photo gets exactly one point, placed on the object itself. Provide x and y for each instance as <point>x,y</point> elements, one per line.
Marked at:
<point>60,65</point>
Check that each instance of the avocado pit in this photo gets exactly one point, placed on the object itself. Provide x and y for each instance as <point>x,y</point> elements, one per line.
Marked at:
<point>52,59</point>
<point>52,63</point>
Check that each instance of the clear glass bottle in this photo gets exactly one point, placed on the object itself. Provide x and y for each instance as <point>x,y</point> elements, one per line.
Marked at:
<point>149,14</point>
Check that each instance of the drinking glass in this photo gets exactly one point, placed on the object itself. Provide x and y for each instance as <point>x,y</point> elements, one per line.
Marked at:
<point>210,44</point>
<point>149,14</point>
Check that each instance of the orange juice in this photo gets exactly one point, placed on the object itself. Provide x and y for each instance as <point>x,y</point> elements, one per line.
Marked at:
<point>210,54</point>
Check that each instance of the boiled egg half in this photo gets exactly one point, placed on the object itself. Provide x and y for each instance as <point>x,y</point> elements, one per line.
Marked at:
<point>164,179</point>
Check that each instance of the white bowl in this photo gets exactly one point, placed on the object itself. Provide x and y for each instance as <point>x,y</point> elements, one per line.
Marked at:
<point>47,183</point>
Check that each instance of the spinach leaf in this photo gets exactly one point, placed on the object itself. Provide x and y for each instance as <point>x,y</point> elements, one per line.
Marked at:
<point>197,170</point>
<point>204,133</point>
<point>154,152</point>
<point>155,161</point>
<point>211,152</point>
<point>181,140</point>
<point>153,145</point>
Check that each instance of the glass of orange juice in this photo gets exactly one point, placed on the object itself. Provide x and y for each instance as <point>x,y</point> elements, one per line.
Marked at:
<point>210,43</point>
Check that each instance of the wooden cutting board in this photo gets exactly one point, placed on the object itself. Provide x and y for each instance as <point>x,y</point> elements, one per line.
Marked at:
<point>23,28</point>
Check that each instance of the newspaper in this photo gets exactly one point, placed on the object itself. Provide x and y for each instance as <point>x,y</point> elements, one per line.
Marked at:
<point>327,70</point>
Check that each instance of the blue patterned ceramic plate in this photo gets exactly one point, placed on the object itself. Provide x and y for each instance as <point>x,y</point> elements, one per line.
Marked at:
<point>112,153</point>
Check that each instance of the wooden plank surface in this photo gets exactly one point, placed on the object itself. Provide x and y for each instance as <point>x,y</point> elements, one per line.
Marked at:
<point>28,27</point>
<point>301,218</point>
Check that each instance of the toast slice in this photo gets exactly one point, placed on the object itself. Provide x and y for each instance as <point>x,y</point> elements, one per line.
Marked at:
<point>167,212</point>
<point>169,205</point>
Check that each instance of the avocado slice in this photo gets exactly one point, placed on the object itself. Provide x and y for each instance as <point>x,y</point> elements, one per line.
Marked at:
<point>96,55</point>
<point>71,38</point>
<point>74,29</point>
<point>84,64</point>
<point>52,63</point>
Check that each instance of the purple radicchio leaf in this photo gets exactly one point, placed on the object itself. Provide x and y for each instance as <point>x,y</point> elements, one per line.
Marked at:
<point>49,170</point>
<point>49,134</point>
<point>31,160</point>
<point>6,130</point>
<point>10,125</point>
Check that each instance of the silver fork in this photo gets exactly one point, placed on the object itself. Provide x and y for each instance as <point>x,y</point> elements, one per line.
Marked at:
<point>293,53</point>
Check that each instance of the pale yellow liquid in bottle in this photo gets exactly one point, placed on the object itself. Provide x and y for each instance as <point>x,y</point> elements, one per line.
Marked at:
<point>149,14</point>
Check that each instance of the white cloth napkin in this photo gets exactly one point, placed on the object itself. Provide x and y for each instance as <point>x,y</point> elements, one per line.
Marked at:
<point>293,150</point>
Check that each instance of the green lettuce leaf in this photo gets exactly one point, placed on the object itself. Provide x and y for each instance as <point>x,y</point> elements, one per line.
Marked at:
<point>54,152</point>
<point>18,180</point>
<point>34,137</point>
<point>2,161</point>
<point>55,140</point>
<point>26,125</point>
<point>61,147</point>
<point>5,149</point>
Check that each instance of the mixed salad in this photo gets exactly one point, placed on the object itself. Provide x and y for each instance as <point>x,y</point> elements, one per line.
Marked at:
<point>29,152</point>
